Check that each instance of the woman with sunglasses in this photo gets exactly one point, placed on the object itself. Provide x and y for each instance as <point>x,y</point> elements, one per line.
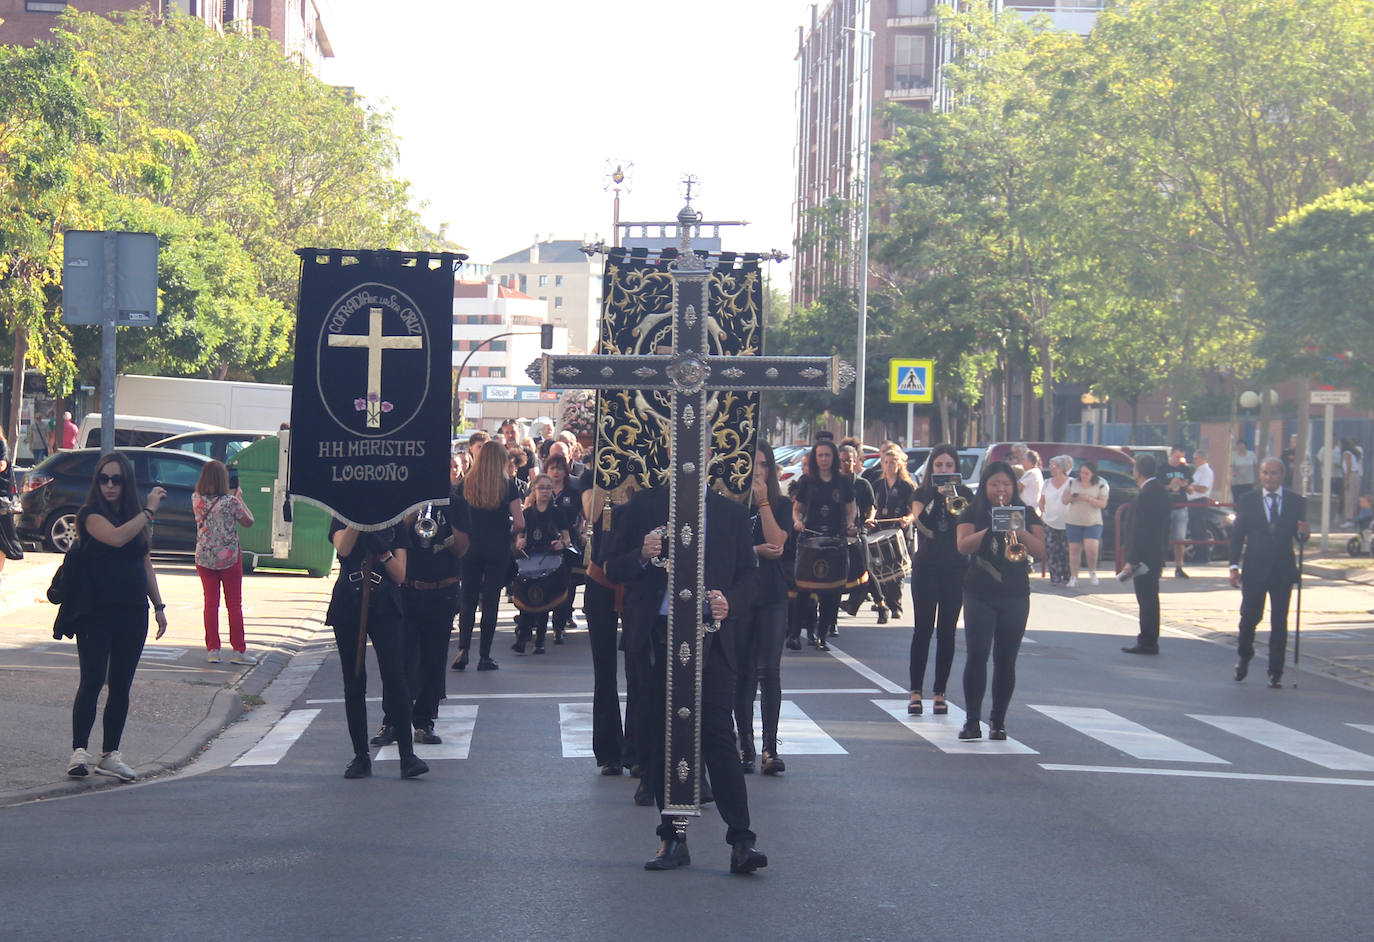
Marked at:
<point>546,531</point>
<point>112,537</point>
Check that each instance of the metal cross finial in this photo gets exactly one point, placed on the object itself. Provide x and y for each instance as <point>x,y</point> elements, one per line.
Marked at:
<point>689,180</point>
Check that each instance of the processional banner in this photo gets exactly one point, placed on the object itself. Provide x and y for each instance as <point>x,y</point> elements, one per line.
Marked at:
<point>372,384</point>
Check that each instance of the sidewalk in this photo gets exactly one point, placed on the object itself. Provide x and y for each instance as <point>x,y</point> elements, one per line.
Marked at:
<point>179,703</point>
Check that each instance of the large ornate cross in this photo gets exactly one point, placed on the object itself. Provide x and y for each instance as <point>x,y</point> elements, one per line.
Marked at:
<point>374,342</point>
<point>689,373</point>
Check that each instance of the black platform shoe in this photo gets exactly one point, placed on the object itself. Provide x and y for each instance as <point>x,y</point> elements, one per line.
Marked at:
<point>461,661</point>
<point>671,855</point>
<point>745,858</point>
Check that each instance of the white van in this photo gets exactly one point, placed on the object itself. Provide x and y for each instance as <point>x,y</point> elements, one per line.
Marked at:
<point>135,431</point>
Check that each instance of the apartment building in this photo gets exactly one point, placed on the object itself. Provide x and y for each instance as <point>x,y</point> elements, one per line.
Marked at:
<point>842,81</point>
<point>557,271</point>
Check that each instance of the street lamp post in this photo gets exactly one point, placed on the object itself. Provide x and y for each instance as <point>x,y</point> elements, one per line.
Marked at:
<point>457,380</point>
<point>866,133</point>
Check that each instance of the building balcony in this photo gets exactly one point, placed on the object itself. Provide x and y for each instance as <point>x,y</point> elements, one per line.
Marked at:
<point>894,22</point>
<point>910,88</point>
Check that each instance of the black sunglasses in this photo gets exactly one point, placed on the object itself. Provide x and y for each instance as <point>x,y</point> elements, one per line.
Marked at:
<point>111,479</point>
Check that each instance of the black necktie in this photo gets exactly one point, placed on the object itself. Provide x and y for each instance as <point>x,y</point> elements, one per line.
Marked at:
<point>1273,508</point>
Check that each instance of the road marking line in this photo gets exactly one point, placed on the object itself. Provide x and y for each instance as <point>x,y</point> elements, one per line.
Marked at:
<point>1309,748</point>
<point>863,670</point>
<point>942,732</point>
<point>454,727</point>
<point>1205,773</point>
<point>798,734</point>
<point>1364,726</point>
<point>271,749</point>
<point>575,729</point>
<point>1125,735</point>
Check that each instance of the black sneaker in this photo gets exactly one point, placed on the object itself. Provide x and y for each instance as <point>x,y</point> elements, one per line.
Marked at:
<point>538,649</point>
<point>385,736</point>
<point>487,664</point>
<point>1180,574</point>
<point>360,767</point>
<point>793,644</point>
<point>412,765</point>
<point>426,736</point>
<point>519,646</point>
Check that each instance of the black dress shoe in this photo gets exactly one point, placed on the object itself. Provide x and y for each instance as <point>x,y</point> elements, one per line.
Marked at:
<point>385,736</point>
<point>998,732</point>
<point>882,615</point>
<point>1140,649</point>
<point>793,644</point>
<point>1276,681</point>
<point>852,608</point>
<point>412,765</point>
<point>670,856</point>
<point>426,736</point>
<point>636,771</point>
<point>821,645</point>
<point>746,765</point>
<point>772,765</point>
<point>487,664</point>
<point>971,731</point>
<point>744,858</point>
<point>1179,573</point>
<point>461,661</point>
<point>519,646</point>
<point>612,768</point>
<point>644,795</point>
<point>1242,668</point>
<point>360,767</point>
<point>538,649</point>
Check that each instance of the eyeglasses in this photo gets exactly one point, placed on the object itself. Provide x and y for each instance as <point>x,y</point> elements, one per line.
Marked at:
<point>110,478</point>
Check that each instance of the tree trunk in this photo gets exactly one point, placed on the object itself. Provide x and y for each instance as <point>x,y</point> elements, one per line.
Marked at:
<point>1262,446</point>
<point>21,353</point>
<point>1028,432</point>
<point>1046,390</point>
<point>946,432</point>
<point>1135,417</point>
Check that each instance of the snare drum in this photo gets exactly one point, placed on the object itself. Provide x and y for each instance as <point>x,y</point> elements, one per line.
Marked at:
<point>856,551</point>
<point>541,583</point>
<point>821,562</point>
<point>888,558</point>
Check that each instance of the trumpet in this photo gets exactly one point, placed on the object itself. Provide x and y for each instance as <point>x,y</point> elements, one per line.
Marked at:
<point>1013,549</point>
<point>954,502</point>
<point>426,527</point>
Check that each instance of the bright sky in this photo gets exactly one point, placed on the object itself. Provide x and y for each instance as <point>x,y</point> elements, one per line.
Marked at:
<point>508,111</point>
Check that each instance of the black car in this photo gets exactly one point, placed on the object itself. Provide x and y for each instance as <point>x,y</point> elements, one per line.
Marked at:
<point>1207,522</point>
<point>56,488</point>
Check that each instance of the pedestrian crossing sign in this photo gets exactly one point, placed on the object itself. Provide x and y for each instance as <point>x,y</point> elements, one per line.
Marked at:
<point>910,381</point>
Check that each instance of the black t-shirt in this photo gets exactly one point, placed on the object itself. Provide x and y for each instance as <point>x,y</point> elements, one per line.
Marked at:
<point>775,574</point>
<point>569,501</point>
<point>489,530</point>
<point>542,527</point>
<point>823,503</point>
<point>424,562</point>
<point>1177,472</point>
<point>346,601</point>
<point>990,572</point>
<point>863,499</point>
<point>894,501</point>
<point>119,577</point>
<point>936,538</point>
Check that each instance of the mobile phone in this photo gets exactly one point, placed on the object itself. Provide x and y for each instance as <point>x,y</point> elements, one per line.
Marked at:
<point>233,479</point>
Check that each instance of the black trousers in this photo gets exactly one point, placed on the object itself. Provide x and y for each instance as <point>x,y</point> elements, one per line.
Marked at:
<point>536,623</point>
<point>758,658</point>
<point>1252,595</point>
<point>608,740</point>
<point>384,627</point>
<point>108,652</point>
<point>484,577</point>
<point>1147,598</point>
<point>428,625</point>
<point>938,596</point>
<point>820,610</point>
<point>638,747</point>
<point>719,751</point>
<point>996,625</point>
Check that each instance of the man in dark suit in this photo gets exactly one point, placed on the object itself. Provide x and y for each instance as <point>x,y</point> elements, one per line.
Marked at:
<point>730,578</point>
<point>1144,549</point>
<point>1268,521</point>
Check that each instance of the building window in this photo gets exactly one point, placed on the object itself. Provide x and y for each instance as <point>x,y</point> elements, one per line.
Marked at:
<point>910,7</point>
<point>37,6</point>
<point>497,372</point>
<point>909,62</point>
<point>558,281</point>
<point>558,301</point>
<point>543,281</point>
<point>497,346</point>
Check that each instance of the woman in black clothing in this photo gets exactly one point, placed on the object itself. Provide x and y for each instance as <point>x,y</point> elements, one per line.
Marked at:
<point>495,516</point>
<point>758,639</point>
<point>546,531</point>
<point>996,597</point>
<point>937,578</point>
<point>893,492</point>
<point>567,497</point>
<point>112,531</point>
<point>825,506</point>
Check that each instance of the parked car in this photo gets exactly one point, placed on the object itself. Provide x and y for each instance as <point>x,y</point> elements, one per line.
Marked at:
<point>220,445</point>
<point>1105,457</point>
<point>793,465</point>
<point>56,488</point>
<point>134,431</point>
<point>971,461</point>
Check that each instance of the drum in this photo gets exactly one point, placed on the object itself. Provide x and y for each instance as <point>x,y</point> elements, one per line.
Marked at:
<point>888,558</point>
<point>821,562</point>
<point>856,553</point>
<point>541,583</point>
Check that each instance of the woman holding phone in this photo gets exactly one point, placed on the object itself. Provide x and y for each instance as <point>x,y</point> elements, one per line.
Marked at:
<point>219,509</point>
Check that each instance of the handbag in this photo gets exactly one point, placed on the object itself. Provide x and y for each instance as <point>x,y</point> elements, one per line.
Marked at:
<point>70,591</point>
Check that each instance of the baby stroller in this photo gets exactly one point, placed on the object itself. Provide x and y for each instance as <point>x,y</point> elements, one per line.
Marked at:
<point>1360,544</point>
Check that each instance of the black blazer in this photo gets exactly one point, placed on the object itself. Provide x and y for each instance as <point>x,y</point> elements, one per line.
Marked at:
<point>1149,534</point>
<point>731,565</point>
<point>1263,552</point>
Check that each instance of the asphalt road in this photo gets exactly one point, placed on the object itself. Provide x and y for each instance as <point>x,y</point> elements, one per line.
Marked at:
<point>1227,811</point>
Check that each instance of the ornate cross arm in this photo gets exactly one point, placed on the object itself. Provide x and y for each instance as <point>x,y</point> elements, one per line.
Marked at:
<point>689,372</point>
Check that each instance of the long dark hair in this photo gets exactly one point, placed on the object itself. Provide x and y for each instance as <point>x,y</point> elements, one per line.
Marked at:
<point>1091,466</point>
<point>128,506</point>
<point>944,448</point>
<point>774,488</point>
<point>812,470</point>
<point>980,502</point>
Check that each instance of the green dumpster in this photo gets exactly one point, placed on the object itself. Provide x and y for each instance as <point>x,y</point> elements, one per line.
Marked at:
<point>302,543</point>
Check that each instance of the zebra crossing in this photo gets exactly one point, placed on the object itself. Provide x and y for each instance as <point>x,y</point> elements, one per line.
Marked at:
<point>802,735</point>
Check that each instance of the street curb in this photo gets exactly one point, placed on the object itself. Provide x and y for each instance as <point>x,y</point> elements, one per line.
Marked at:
<point>226,707</point>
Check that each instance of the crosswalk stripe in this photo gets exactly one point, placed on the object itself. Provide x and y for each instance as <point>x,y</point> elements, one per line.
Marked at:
<point>863,670</point>
<point>942,732</point>
<point>1364,726</point>
<point>1328,755</point>
<point>454,727</point>
<point>1125,735</point>
<point>272,748</point>
<point>798,734</point>
<point>575,729</point>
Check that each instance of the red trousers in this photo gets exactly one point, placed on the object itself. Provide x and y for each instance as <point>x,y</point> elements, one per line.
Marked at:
<point>232,580</point>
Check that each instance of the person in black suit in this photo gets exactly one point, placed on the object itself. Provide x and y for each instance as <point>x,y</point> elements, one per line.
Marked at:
<point>1268,520</point>
<point>1144,549</point>
<point>731,579</point>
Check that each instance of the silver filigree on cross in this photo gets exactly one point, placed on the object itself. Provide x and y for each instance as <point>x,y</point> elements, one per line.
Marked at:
<point>683,770</point>
<point>644,372</point>
<point>685,534</point>
<point>689,467</point>
<point>812,373</point>
<point>732,372</point>
<point>689,416</point>
<point>684,653</point>
<point>771,372</point>
<point>568,371</point>
<point>688,372</point>
<point>607,372</point>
